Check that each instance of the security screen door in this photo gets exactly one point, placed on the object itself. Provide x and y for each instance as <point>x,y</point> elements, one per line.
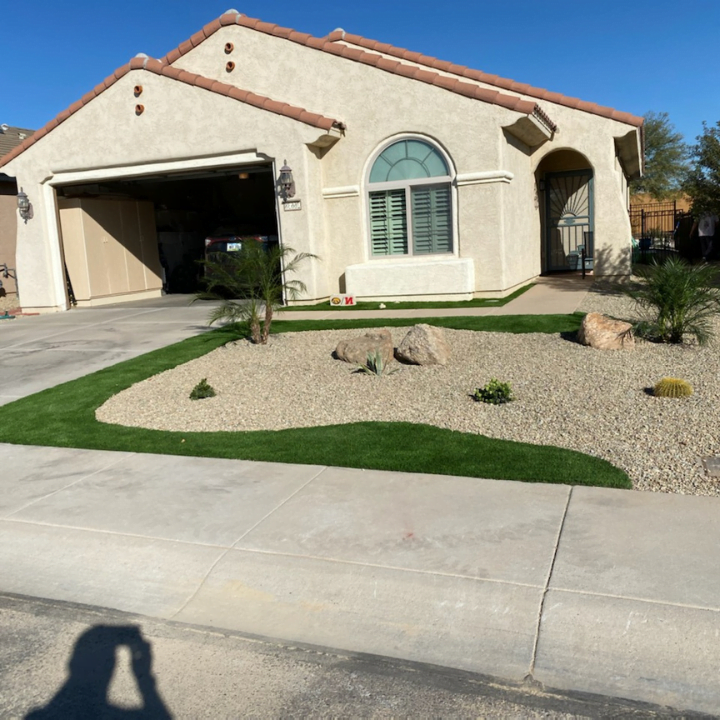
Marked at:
<point>569,219</point>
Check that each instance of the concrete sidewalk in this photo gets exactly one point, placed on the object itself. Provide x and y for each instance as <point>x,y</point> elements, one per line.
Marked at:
<point>556,294</point>
<point>585,589</point>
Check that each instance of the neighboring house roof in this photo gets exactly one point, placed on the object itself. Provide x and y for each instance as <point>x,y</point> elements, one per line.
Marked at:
<point>11,137</point>
<point>488,79</point>
<point>159,68</point>
<point>327,45</point>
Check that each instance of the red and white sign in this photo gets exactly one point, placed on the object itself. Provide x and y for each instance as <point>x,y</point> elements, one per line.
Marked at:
<point>342,300</point>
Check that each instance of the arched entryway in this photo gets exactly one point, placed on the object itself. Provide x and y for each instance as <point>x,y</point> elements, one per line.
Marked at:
<point>565,181</point>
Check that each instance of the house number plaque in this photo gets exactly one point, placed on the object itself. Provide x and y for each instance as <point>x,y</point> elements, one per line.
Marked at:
<point>292,205</point>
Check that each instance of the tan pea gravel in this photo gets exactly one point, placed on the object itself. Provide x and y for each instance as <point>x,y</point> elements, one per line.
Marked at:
<point>9,302</point>
<point>566,395</point>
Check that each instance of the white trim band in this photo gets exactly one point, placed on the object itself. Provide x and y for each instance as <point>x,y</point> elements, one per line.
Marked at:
<point>479,178</point>
<point>156,167</point>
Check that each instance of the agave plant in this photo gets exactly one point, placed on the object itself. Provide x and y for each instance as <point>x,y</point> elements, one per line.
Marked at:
<point>677,299</point>
<point>376,365</point>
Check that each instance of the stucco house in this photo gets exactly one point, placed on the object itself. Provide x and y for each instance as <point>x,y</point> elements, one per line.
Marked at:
<point>412,177</point>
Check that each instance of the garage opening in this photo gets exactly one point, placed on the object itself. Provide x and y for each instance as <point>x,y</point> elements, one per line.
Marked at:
<point>139,237</point>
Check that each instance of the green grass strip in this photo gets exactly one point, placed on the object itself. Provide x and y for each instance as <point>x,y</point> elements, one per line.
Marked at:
<point>419,305</point>
<point>479,323</point>
<point>64,416</point>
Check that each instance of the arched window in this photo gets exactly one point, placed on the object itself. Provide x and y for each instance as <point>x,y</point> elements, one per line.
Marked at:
<point>410,201</point>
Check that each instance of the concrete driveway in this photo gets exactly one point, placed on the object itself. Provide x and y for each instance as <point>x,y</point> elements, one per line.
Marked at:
<point>39,352</point>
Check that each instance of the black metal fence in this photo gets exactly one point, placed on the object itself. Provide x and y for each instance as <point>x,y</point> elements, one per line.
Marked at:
<point>660,230</point>
<point>655,221</point>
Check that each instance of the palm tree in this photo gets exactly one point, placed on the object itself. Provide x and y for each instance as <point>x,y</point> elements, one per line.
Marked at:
<point>678,299</point>
<point>251,285</point>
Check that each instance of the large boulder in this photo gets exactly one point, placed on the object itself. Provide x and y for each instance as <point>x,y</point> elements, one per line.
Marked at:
<point>424,345</point>
<point>604,333</point>
<point>357,349</point>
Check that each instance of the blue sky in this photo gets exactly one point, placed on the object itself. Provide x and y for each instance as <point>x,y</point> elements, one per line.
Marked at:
<point>636,55</point>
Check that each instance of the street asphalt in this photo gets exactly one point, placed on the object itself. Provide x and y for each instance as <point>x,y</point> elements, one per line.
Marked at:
<point>62,661</point>
<point>609,592</point>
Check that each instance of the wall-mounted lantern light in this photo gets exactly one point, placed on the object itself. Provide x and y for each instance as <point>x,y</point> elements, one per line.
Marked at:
<point>286,183</point>
<point>23,203</point>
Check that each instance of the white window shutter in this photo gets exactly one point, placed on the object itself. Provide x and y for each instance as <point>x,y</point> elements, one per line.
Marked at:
<point>388,222</point>
<point>432,220</point>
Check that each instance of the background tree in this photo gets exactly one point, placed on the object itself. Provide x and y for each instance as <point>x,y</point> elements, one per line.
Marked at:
<point>703,182</point>
<point>666,158</point>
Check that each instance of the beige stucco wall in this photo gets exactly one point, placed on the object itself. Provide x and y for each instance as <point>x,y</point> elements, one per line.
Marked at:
<point>377,107</point>
<point>8,231</point>
<point>498,218</point>
<point>180,122</point>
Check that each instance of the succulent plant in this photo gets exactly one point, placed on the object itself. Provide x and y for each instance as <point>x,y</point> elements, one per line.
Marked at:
<point>376,365</point>
<point>672,388</point>
<point>494,393</point>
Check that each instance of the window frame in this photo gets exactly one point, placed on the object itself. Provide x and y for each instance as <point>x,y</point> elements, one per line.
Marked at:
<point>407,185</point>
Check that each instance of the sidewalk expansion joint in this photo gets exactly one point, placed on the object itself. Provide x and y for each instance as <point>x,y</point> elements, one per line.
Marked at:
<point>249,530</point>
<point>536,640</point>
<point>394,568</point>
<point>65,487</point>
<point>115,533</point>
<point>633,598</point>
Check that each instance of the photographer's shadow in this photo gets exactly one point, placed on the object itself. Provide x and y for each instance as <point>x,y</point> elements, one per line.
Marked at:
<point>85,692</point>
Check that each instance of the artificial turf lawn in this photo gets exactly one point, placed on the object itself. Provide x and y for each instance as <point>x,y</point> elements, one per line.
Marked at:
<point>64,416</point>
<point>420,305</point>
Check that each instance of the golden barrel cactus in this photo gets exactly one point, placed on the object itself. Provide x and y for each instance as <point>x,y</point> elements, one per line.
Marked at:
<point>672,388</point>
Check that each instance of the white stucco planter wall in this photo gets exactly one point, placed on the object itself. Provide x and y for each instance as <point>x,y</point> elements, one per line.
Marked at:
<point>412,278</point>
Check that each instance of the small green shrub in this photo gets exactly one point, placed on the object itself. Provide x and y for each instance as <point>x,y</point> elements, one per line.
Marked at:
<point>672,388</point>
<point>202,390</point>
<point>494,393</point>
<point>376,365</point>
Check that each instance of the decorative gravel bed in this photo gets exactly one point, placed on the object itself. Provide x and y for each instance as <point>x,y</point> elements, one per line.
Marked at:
<point>9,302</point>
<point>566,395</point>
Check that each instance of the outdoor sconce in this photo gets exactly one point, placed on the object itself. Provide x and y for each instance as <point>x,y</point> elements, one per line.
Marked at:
<point>286,183</point>
<point>23,203</point>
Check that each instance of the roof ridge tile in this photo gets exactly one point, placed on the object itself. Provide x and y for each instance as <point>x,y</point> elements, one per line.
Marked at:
<point>506,83</point>
<point>179,75</point>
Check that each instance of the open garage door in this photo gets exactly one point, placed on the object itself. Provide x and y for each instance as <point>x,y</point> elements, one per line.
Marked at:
<point>138,237</point>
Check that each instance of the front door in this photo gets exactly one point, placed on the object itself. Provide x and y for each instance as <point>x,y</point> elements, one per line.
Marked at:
<point>569,219</point>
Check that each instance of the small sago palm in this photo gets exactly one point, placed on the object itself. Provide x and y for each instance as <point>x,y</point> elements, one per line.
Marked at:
<point>251,285</point>
<point>678,299</point>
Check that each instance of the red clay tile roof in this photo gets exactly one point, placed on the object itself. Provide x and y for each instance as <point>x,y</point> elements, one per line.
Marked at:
<point>504,83</point>
<point>330,46</point>
<point>160,68</point>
